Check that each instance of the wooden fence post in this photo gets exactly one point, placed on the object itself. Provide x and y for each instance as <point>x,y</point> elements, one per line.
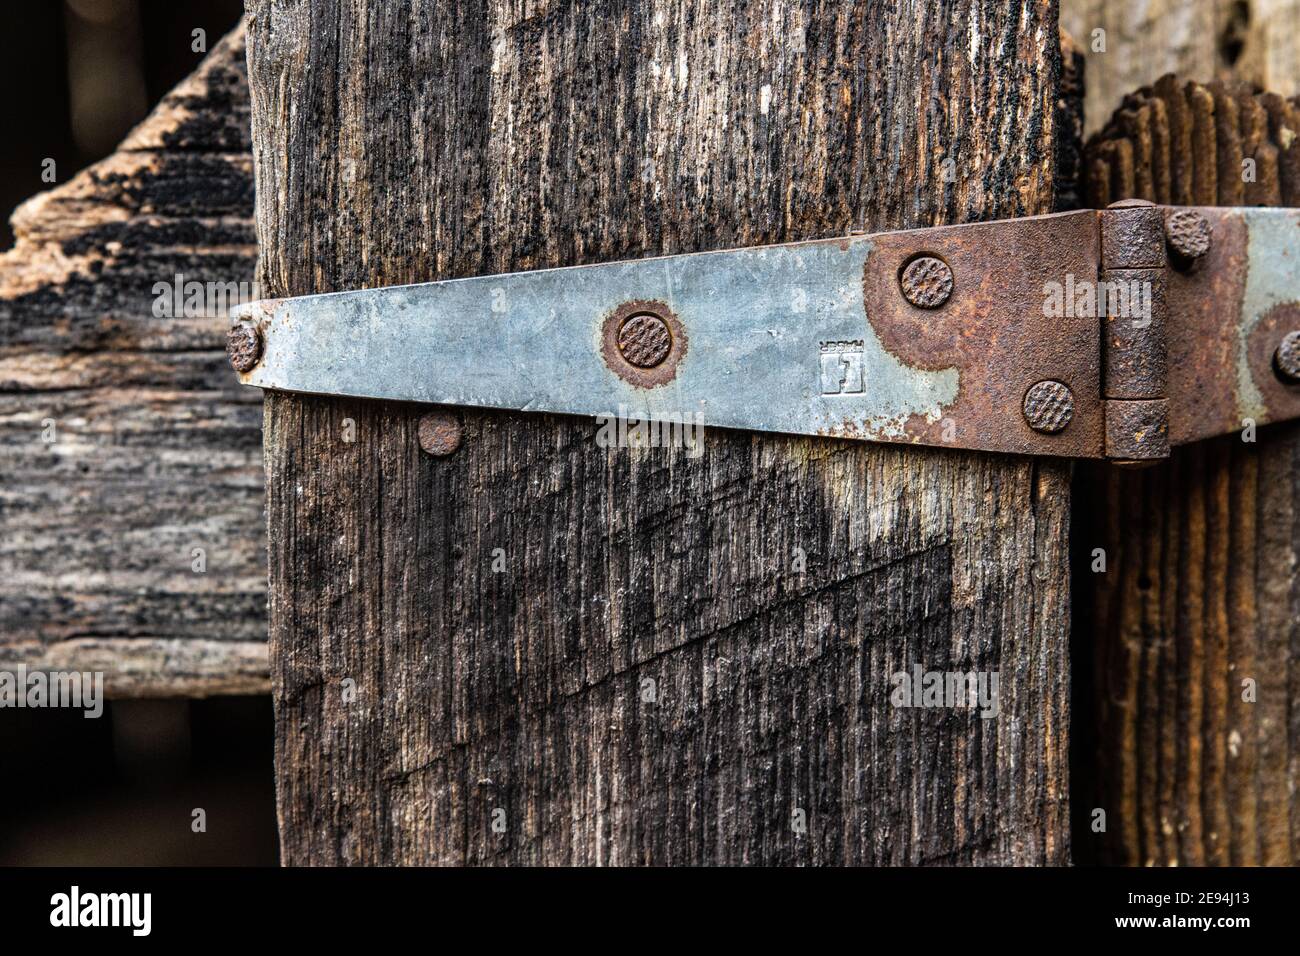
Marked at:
<point>537,650</point>
<point>1189,627</point>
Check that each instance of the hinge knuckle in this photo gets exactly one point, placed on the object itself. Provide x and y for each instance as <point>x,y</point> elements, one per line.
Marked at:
<point>1135,355</point>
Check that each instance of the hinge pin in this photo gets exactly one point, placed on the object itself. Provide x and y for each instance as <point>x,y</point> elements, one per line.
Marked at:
<point>1135,371</point>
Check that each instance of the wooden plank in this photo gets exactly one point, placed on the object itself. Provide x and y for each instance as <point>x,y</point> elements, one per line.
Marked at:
<point>154,450</point>
<point>647,676</point>
<point>1189,641</point>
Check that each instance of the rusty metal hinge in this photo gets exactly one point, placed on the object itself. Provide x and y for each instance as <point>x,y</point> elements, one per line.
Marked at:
<point>1093,334</point>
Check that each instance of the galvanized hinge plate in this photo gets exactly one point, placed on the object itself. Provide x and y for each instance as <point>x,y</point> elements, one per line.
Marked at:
<point>978,336</point>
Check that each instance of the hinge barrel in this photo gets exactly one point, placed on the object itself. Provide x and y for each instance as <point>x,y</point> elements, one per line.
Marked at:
<point>1135,355</point>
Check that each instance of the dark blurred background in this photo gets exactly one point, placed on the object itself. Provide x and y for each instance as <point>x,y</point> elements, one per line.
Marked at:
<point>120,789</point>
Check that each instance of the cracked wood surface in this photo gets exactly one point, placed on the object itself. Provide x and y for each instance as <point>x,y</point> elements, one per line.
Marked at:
<point>539,650</point>
<point>156,448</point>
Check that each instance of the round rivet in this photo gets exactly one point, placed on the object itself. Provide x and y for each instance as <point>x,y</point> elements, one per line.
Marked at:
<point>1287,358</point>
<point>1188,234</point>
<point>1049,406</point>
<point>439,433</point>
<point>927,282</point>
<point>243,347</point>
<point>644,340</point>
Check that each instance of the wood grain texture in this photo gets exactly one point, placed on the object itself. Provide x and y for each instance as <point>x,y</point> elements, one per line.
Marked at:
<point>419,691</point>
<point>1253,41</point>
<point>1200,595</point>
<point>1200,592</point>
<point>1188,143</point>
<point>155,449</point>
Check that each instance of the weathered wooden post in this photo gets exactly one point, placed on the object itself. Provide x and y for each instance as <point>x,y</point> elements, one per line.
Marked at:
<point>1190,600</point>
<point>537,650</point>
<point>1186,642</point>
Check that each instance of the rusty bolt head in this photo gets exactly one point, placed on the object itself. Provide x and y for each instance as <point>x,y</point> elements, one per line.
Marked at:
<point>243,347</point>
<point>644,340</point>
<point>1188,234</point>
<point>1049,406</point>
<point>927,282</point>
<point>439,433</point>
<point>1287,358</point>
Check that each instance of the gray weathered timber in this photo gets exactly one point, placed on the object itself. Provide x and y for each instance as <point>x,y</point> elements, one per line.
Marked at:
<point>628,655</point>
<point>155,450</point>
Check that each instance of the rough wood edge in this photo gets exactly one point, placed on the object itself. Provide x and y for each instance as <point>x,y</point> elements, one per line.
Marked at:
<point>153,667</point>
<point>150,666</point>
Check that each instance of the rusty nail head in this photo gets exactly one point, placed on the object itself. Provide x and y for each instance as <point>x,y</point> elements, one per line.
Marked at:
<point>243,347</point>
<point>1048,406</point>
<point>1188,234</point>
<point>926,282</point>
<point>439,433</point>
<point>1287,358</point>
<point>644,340</point>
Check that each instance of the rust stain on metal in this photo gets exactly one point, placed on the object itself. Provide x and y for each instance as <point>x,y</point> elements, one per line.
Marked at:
<point>1048,407</point>
<point>1206,370</point>
<point>243,347</point>
<point>1273,351</point>
<point>439,433</point>
<point>997,330</point>
<point>1210,375</point>
<point>642,342</point>
<point>927,282</point>
<point>1204,307</point>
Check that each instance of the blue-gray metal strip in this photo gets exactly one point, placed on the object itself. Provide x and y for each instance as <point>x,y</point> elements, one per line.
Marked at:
<point>776,340</point>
